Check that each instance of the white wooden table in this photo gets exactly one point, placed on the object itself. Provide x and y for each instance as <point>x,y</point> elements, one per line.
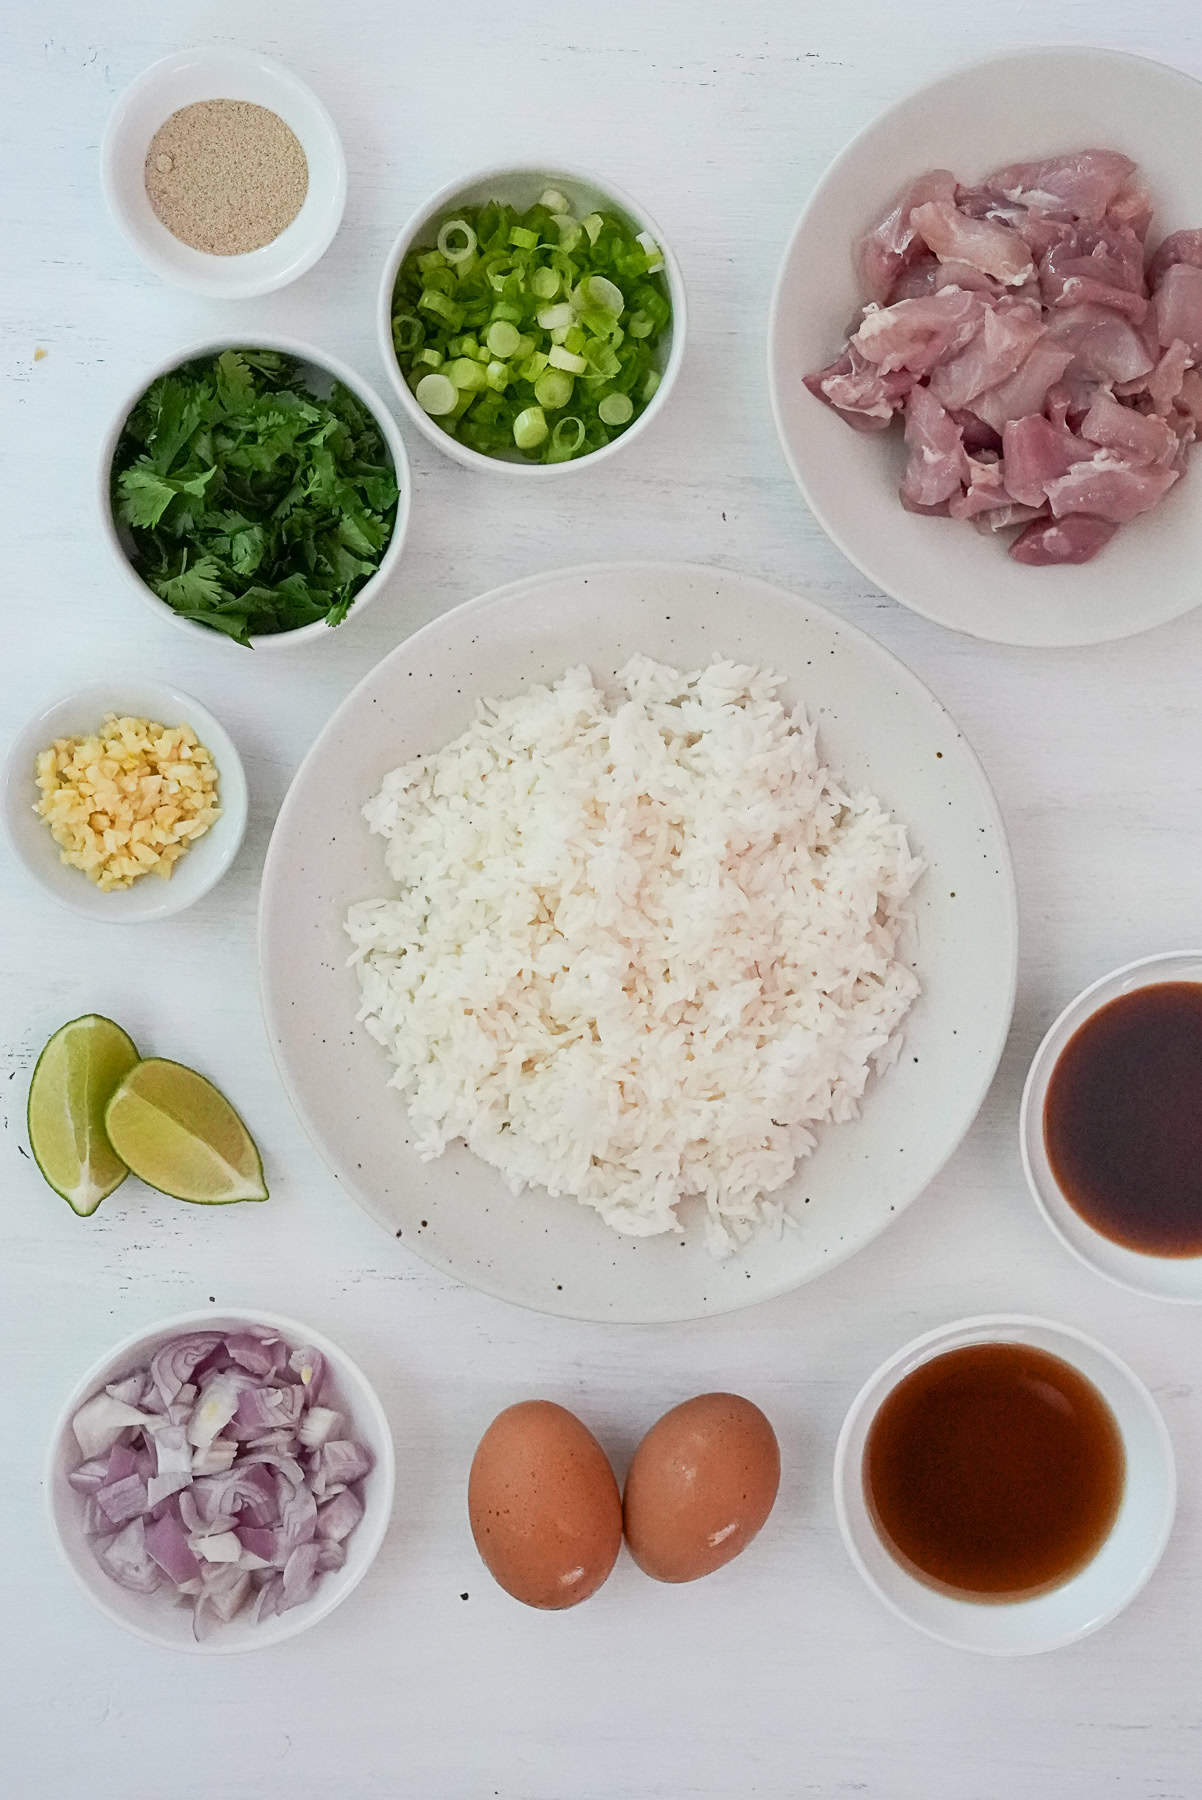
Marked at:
<point>782,1677</point>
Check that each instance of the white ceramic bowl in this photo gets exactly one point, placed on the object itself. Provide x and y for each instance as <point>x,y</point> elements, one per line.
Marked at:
<point>222,74</point>
<point>1099,1591</point>
<point>1017,106</point>
<point>1162,1277</point>
<point>205,862</point>
<point>155,1617</point>
<point>877,724</point>
<point>315,365</point>
<point>521,187</point>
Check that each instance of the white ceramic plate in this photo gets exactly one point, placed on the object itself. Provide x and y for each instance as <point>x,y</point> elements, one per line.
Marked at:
<point>154,1617</point>
<point>1015,107</point>
<point>878,726</point>
<point>1099,1591</point>
<point>1162,1277</point>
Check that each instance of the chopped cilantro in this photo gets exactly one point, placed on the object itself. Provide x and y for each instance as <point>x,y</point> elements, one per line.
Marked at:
<point>250,504</point>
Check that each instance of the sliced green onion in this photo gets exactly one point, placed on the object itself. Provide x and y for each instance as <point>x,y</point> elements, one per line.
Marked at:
<point>436,395</point>
<point>553,389</point>
<point>556,318</point>
<point>502,337</point>
<point>466,374</point>
<point>616,409</point>
<point>506,321</point>
<point>529,428</point>
<point>457,240</point>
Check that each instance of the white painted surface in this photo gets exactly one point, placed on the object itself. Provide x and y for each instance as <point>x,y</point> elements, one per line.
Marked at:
<point>782,1676</point>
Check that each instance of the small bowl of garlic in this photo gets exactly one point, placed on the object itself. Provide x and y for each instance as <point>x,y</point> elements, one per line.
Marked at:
<point>125,800</point>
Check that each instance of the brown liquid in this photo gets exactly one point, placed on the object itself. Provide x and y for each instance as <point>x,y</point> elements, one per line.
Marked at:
<point>1122,1122</point>
<point>994,1472</point>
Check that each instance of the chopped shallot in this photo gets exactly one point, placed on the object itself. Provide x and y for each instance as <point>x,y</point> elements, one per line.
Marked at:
<point>217,1471</point>
<point>1047,368</point>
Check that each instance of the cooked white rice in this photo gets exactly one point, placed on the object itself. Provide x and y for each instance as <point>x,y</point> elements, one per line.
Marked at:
<point>642,943</point>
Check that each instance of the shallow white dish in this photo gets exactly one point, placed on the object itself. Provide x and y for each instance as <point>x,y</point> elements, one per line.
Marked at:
<point>877,724</point>
<point>1017,106</point>
<point>155,1617</point>
<point>222,74</point>
<point>1089,1599</point>
<point>522,187</point>
<point>316,365</point>
<point>1163,1277</point>
<point>76,715</point>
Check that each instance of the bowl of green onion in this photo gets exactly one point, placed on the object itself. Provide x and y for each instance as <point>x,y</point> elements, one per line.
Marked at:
<point>531,320</point>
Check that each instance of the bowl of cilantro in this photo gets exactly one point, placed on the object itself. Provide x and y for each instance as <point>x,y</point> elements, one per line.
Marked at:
<point>257,493</point>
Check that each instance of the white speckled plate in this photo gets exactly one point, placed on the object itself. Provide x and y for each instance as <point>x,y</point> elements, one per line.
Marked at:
<point>1015,107</point>
<point>878,726</point>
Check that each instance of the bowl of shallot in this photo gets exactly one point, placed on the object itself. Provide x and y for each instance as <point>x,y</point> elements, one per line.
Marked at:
<point>985,349</point>
<point>221,1481</point>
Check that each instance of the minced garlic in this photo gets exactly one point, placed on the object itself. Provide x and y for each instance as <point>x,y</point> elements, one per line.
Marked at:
<point>127,801</point>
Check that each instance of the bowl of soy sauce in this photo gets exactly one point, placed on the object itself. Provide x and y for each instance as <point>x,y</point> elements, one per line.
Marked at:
<point>1110,1126</point>
<point>1005,1484</point>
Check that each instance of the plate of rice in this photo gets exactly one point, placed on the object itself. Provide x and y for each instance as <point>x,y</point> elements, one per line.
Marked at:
<point>637,941</point>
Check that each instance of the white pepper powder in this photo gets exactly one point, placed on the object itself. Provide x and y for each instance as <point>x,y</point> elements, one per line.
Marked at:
<point>226,176</point>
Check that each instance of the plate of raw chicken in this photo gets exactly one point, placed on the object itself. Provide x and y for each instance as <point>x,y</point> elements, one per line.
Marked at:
<point>985,351</point>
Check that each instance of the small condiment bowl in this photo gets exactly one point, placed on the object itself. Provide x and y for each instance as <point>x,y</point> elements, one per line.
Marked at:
<point>521,187</point>
<point>316,364</point>
<point>155,1617</point>
<point>1099,1591</point>
<point>1162,1277</point>
<point>222,74</point>
<point>78,714</point>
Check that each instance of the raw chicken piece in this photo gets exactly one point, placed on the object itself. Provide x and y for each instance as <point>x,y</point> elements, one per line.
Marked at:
<point>1006,335</point>
<point>885,251</point>
<point>1105,346</point>
<point>927,275</point>
<point>1084,182</point>
<point>1117,427</point>
<point>1179,247</point>
<point>1189,396</point>
<point>1075,540</point>
<point>986,490</point>
<point>916,334</point>
<point>1002,517</point>
<point>1025,391</point>
<point>1101,265</point>
<point>1036,451</point>
<point>937,463</point>
<point>859,392</point>
<point>1165,381</point>
<point>1177,307</point>
<point>1132,206</point>
<point>1109,487</point>
<point>983,244</point>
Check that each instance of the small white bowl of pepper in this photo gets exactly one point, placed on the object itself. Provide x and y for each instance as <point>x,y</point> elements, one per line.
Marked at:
<point>225,172</point>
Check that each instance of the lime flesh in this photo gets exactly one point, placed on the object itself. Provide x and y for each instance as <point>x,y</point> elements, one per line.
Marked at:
<point>179,1134</point>
<point>75,1075</point>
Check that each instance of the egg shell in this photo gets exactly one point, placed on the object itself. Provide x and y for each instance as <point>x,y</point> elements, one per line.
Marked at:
<point>544,1505</point>
<point>700,1485</point>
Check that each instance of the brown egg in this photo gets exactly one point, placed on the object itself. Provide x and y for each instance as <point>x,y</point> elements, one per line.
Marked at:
<point>701,1484</point>
<point>544,1506</point>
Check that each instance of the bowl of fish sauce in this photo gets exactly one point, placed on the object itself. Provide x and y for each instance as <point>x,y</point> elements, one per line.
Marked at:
<point>1111,1126</point>
<point>1005,1484</point>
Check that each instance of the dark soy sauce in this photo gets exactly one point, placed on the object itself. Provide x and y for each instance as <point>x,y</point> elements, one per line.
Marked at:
<point>994,1472</point>
<point>1122,1121</point>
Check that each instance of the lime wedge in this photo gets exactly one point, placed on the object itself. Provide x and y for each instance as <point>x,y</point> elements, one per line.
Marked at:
<point>74,1077</point>
<point>177,1133</point>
